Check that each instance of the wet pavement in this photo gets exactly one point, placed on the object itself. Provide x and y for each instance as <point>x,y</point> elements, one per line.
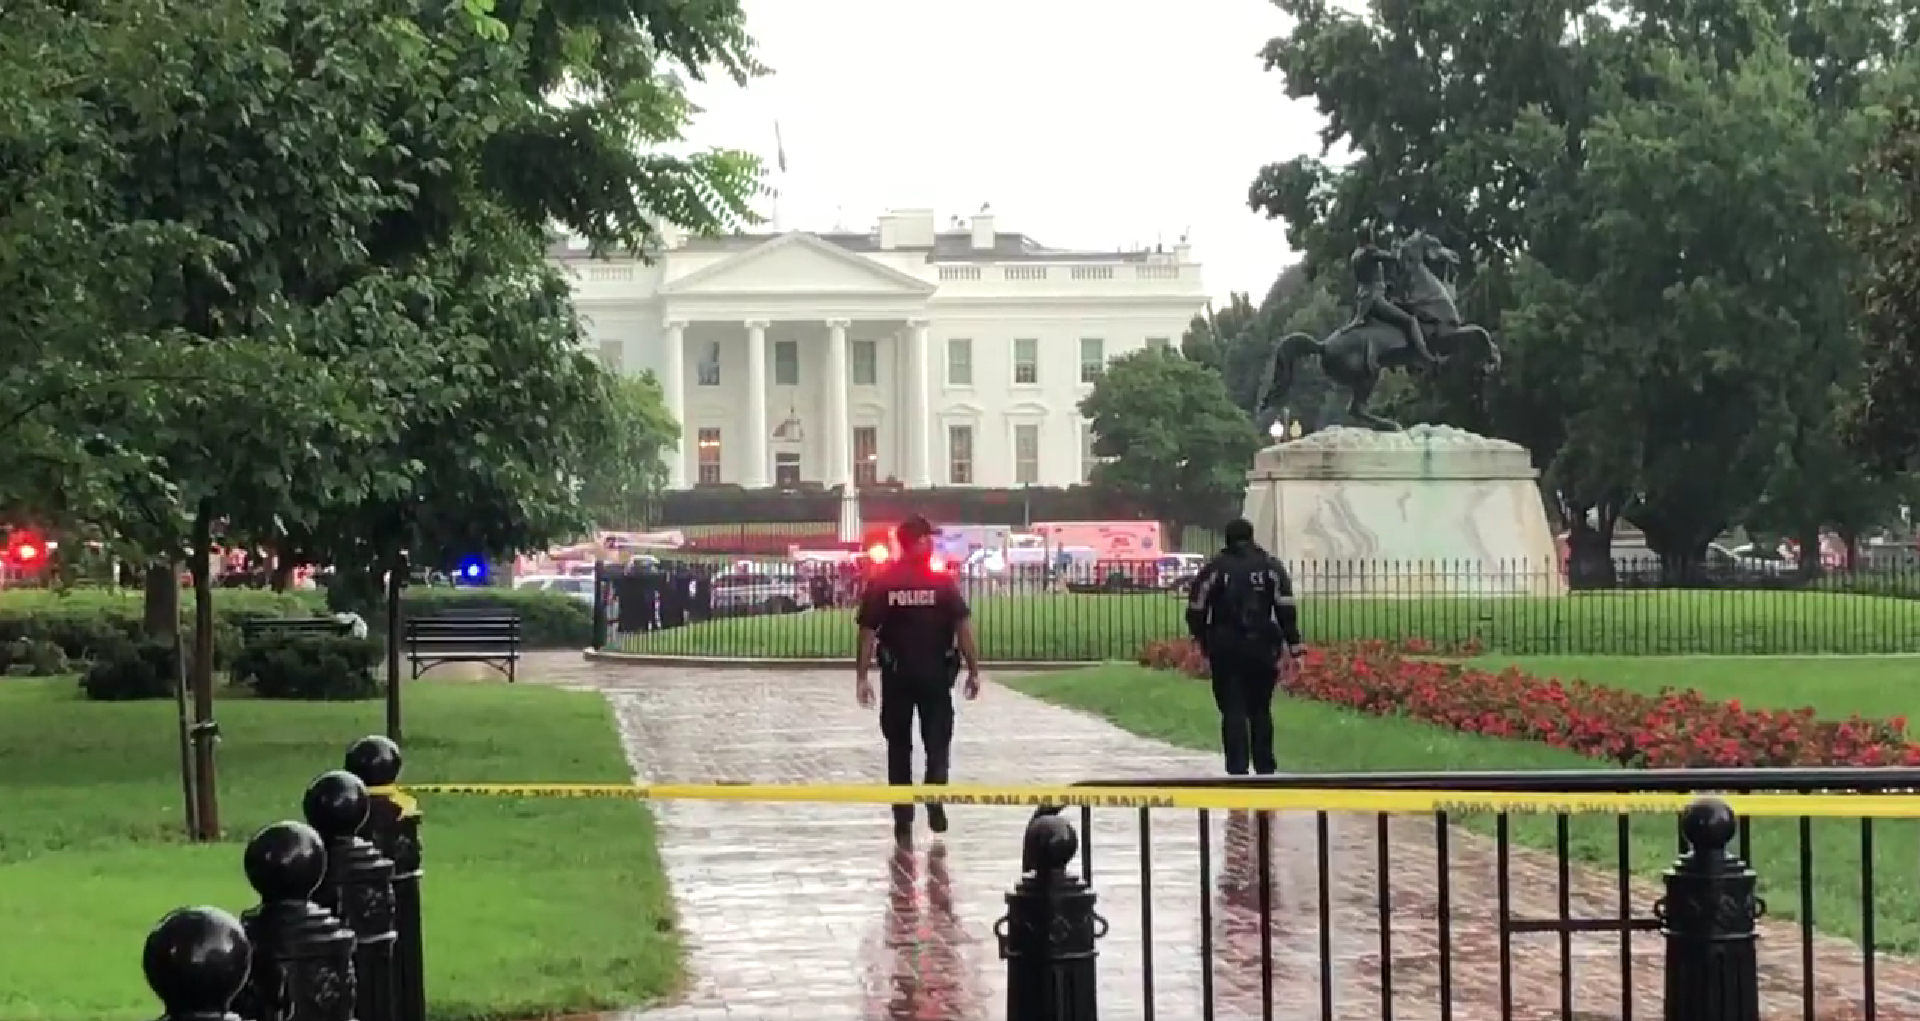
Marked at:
<point>812,913</point>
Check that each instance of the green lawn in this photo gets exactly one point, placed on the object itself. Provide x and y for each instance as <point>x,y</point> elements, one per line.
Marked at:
<point>1113,627</point>
<point>1837,688</point>
<point>1313,737</point>
<point>533,908</point>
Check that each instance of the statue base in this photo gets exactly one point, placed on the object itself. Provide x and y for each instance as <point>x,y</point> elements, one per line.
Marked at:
<point>1432,511</point>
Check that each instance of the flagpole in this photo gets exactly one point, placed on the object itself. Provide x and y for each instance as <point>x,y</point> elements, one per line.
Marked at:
<point>780,176</point>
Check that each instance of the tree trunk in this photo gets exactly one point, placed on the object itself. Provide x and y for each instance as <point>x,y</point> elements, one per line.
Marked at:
<point>161,601</point>
<point>204,732</point>
<point>284,562</point>
<point>396,578</point>
<point>1810,560</point>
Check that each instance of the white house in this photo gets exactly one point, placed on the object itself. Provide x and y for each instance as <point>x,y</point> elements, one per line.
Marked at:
<point>932,356</point>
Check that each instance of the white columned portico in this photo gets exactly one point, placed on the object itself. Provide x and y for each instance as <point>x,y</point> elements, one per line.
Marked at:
<point>758,468</point>
<point>674,386</point>
<point>839,428</point>
<point>919,409</point>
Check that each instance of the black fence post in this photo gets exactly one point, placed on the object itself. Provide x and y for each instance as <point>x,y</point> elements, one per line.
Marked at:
<point>1707,917</point>
<point>1048,937</point>
<point>601,587</point>
<point>195,961</point>
<point>358,887</point>
<point>303,965</point>
<point>393,825</point>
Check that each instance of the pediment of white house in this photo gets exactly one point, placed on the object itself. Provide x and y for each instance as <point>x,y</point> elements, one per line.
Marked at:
<point>798,263</point>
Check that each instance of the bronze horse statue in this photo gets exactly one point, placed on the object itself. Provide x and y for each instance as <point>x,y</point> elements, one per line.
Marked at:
<point>1357,353</point>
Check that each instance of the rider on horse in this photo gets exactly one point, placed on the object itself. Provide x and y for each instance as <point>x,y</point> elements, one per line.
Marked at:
<point>1372,266</point>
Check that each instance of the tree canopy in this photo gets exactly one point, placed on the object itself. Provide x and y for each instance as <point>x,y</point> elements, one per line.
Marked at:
<point>1169,436</point>
<point>1650,200</point>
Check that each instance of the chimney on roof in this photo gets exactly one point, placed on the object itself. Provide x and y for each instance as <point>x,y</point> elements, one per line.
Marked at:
<point>983,233</point>
<point>906,228</point>
<point>1182,250</point>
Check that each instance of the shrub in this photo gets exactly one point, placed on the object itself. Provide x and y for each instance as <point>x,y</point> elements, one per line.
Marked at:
<point>86,624</point>
<point>548,620</point>
<point>314,668</point>
<point>1671,729</point>
<point>131,671</point>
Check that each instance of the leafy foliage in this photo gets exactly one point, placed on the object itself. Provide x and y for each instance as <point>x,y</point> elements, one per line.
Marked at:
<point>626,470</point>
<point>1646,193</point>
<point>1169,435</point>
<point>1884,423</point>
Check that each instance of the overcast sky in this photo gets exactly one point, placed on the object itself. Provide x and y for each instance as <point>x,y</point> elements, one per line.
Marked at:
<point>1086,123</point>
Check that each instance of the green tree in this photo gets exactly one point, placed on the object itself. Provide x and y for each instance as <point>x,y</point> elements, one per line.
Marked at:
<point>1631,182</point>
<point>1883,421</point>
<point>627,469</point>
<point>1170,437</point>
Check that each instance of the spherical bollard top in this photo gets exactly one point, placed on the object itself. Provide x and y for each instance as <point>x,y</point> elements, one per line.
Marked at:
<point>196,961</point>
<point>336,804</point>
<point>1050,843</point>
<point>285,862</point>
<point>1709,825</point>
<point>375,760</point>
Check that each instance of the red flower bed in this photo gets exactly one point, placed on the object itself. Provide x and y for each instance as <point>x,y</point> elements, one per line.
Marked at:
<point>1675,728</point>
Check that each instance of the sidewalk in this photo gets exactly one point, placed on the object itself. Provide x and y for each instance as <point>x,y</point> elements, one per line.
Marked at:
<point>810,913</point>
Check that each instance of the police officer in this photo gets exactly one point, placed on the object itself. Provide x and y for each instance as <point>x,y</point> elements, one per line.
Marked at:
<point>914,619</point>
<point>1241,612</point>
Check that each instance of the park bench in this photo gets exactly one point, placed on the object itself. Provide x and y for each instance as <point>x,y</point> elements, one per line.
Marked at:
<point>490,637</point>
<point>256,627</point>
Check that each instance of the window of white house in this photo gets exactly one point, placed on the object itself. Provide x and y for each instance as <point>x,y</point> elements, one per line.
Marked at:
<point>1026,362</point>
<point>1158,343</point>
<point>1026,455</point>
<point>710,365</point>
<point>1093,358</point>
<point>709,446</point>
<point>960,455</point>
<point>786,363</point>
<point>786,469</point>
<point>1087,459</point>
<point>959,362</point>
<point>866,455</point>
<point>866,363</point>
<point>613,355</point>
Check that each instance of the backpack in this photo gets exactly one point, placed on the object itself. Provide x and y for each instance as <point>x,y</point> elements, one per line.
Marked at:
<point>1246,598</point>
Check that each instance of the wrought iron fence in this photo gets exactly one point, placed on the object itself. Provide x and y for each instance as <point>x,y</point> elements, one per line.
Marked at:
<point>1334,915</point>
<point>1110,610</point>
<point>1330,914</point>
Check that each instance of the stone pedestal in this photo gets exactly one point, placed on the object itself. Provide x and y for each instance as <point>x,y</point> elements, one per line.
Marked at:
<point>1432,511</point>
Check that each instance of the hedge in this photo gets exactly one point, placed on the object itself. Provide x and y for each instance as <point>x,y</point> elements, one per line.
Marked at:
<point>44,631</point>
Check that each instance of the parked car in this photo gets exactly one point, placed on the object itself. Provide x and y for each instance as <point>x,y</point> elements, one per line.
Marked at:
<point>576,586</point>
<point>1177,570</point>
<point>746,593</point>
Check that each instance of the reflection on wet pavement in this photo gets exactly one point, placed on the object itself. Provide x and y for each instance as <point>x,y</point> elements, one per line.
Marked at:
<point>812,913</point>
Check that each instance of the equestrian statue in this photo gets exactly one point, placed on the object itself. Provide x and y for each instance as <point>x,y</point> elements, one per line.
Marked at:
<point>1404,317</point>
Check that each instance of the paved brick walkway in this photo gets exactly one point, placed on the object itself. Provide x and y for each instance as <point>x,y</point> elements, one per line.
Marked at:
<point>811,913</point>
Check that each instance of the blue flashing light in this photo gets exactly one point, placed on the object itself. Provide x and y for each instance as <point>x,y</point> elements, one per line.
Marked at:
<point>473,570</point>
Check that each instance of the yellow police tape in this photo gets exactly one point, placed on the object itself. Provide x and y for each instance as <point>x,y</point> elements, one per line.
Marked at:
<point>1881,806</point>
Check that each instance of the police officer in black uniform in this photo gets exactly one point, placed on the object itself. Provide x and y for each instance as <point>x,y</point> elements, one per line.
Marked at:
<point>1241,612</point>
<point>915,621</point>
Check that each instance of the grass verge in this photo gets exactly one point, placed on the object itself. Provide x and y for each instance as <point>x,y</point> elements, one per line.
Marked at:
<point>533,908</point>
<point>1114,627</point>
<point>1313,737</point>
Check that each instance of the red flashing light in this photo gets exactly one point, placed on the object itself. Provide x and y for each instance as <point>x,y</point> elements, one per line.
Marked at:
<point>877,554</point>
<point>25,550</point>
<point>937,564</point>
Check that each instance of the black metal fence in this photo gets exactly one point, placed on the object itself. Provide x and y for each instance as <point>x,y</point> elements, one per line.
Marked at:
<point>336,935</point>
<point>1110,610</point>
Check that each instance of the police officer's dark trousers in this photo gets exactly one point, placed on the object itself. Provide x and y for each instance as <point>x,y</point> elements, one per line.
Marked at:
<point>1244,676</point>
<point>902,697</point>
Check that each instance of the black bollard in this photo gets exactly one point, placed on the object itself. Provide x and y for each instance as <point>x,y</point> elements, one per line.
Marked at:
<point>358,887</point>
<point>393,824</point>
<point>195,961</point>
<point>1708,918</point>
<point>1048,937</point>
<point>303,970</point>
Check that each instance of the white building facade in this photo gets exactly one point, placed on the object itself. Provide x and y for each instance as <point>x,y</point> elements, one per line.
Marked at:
<point>927,356</point>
